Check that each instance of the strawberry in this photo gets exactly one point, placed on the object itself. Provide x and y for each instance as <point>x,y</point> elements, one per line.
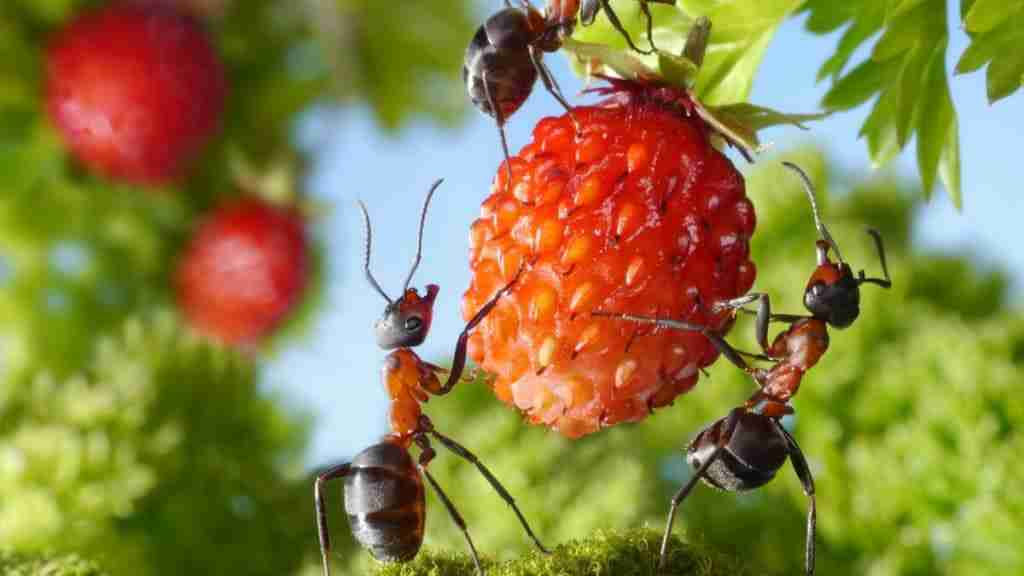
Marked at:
<point>244,269</point>
<point>135,91</point>
<point>636,212</point>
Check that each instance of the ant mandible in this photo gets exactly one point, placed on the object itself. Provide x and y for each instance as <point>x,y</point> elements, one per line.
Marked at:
<point>506,55</point>
<point>384,495</point>
<point>745,449</point>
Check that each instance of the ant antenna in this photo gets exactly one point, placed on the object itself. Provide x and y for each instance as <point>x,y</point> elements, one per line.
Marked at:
<point>883,282</point>
<point>822,230</point>
<point>366,258</point>
<point>419,244</point>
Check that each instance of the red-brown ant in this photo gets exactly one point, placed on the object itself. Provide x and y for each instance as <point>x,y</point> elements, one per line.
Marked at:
<point>744,450</point>
<point>384,495</point>
<point>506,55</point>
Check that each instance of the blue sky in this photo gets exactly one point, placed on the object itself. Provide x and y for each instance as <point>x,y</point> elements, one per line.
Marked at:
<point>334,371</point>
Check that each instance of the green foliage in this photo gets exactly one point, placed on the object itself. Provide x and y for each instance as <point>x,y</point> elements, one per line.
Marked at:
<point>909,423</point>
<point>622,553</point>
<point>19,565</point>
<point>408,61</point>
<point>996,28</point>
<point>906,70</point>
<point>740,34</point>
<point>123,435</point>
<point>163,445</point>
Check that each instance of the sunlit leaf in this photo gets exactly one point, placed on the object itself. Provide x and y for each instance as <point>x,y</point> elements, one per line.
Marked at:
<point>985,15</point>
<point>740,34</point>
<point>912,40</point>
<point>997,32</point>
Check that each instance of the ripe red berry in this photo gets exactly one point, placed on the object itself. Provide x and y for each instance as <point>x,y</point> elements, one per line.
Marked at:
<point>636,213</point>
<point>243,270</point>
<point>135,90</point>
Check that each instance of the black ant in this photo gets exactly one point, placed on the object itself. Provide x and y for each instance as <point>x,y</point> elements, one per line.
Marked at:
<point>384,495</point>
<point>506,55</point>
<point>744,450</point>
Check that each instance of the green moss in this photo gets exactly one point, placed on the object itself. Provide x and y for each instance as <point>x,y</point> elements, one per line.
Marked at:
<point>622,553</point>
<point>20,565</point>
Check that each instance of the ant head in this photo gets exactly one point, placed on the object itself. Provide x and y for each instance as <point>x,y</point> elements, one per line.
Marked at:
<point>753,452</point>
<point>832,293</point>
<point>406,321</point>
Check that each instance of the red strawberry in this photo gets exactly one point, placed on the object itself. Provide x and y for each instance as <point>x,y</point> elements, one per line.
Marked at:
<point>637,213</point>
<point>135,90</point>
<point>243,271</point>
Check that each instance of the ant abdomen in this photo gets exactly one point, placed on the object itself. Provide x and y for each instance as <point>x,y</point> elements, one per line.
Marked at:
<point>384,500</point>
<point>498,66</point>
<point>753,454</point>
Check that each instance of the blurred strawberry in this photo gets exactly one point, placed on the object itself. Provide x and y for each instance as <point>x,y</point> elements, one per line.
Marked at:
<point>135,91</point>
<point>636,212</point>
<point>243,270</point>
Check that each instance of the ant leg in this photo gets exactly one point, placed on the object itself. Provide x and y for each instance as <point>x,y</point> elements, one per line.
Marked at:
<point>319,501</point>
<point>650,24</point>
<point>751,355</point>
<point>726,349</point>
<point>456,517</point>
<point>803,472</point>
<point>499,119</point>
<point>461,451</point>
<point>550,84</point>
<point>617,24</point>
<point>728,428</point>
<point>459,358</point>
<point>884,283</point>
<point>764,313</point>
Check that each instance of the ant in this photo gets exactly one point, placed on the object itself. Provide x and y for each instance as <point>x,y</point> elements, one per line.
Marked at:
<point>745,449</point>
<point>384,494</point>
<point>506,55</point>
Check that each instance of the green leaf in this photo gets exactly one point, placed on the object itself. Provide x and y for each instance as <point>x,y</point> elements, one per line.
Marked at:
<point>1003,77</point>
<point>985,15</point>
<point>997,31</point>
<point>908,54</point>
<point>855,88</point>
<point>865,24</point>
<point>880,130</point>
<point>936,127</point>
<point>740,34</point>
<point>739,123</point>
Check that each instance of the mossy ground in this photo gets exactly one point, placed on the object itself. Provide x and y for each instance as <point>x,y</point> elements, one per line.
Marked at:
<point>605,553</point>
<point>21,565</point>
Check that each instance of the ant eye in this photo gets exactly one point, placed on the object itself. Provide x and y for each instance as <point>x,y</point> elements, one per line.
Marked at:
<point>413,324</point>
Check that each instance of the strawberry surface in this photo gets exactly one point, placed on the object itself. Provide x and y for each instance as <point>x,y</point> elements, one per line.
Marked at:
<point>635,212</point>
<point>135,91</point>
<point>243,270</point>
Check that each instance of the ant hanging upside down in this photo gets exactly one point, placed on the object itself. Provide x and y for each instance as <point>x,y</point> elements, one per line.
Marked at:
<point>506,55</point>
<point>745,449</point>
<point>384,495</point>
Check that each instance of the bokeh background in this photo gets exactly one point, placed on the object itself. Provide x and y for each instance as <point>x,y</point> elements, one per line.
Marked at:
<point>126,436</point>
